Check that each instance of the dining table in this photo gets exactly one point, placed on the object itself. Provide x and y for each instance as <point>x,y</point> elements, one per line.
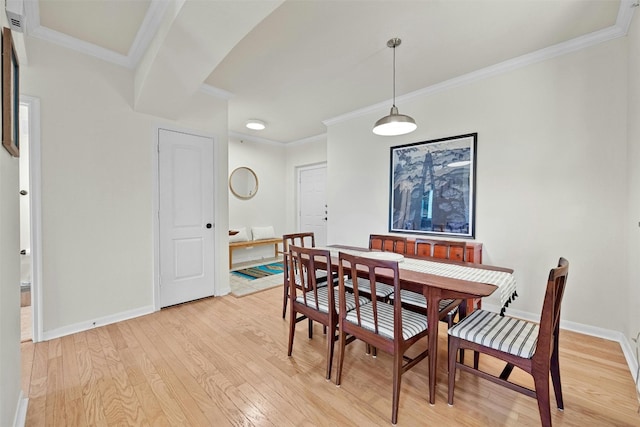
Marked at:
<point>439,279</point>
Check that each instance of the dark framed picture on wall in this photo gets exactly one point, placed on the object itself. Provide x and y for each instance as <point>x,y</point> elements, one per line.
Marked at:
<point>10,95</point>
<point>432,189</point>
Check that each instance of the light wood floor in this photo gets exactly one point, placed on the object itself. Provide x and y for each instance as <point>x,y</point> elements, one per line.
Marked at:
<point>222,361</point>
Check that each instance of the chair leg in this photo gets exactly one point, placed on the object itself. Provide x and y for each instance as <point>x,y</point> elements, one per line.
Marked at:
<point>476,359</point>
<point>343,342</point>
<point>453,349</point>
<point>292,330</point>
<point>330,348</point>
<point>397,377</point>
<point>310,327</point>
<point>285,298</point>
<point>555,374</point>
<point>541,381</point>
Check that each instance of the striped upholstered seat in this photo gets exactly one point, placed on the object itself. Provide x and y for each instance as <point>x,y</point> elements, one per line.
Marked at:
<point>323,300</point>
<point>508,334</point>
<point>382,290</point>
<point>412,323</point>
<point>418,300</point>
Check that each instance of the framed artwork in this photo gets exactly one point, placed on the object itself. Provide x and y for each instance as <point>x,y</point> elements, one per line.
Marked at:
<point>432,188</point>
<point>10,95</point>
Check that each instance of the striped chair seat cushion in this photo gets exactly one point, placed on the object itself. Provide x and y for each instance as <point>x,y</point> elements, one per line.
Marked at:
<point>382,290</point>
<point>508,334</point>
<point>413,298</point>
<point>412,323</point>
<point>323,300</point>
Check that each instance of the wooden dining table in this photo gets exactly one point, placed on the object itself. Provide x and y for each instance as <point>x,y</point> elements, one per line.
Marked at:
<point>436,279</point>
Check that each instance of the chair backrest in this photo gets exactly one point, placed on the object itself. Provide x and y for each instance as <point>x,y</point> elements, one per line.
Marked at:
<point>550,317</point>
<point>303,240</point>
<point>375,271</point>
<point>388,243</point>
<point>302,269</point>
<point>447,249</point>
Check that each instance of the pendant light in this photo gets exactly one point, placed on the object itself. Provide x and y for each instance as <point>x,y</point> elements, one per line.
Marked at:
<point>395,123</point>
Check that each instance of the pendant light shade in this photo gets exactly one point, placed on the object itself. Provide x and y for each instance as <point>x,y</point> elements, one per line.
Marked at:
<point>395,123</point>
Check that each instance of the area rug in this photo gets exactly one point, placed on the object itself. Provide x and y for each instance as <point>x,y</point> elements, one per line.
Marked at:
<point>259,271</point>
<point>254,279</point>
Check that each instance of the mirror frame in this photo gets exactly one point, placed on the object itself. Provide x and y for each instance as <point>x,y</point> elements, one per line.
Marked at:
<point>255,189</point>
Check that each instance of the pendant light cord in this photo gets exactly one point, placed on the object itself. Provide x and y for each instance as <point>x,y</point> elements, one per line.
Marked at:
<point>394,75</point>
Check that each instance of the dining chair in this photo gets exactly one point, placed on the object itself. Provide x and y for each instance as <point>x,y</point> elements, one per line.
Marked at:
<point>530,346</point>
<point>384,243</point>
<point>303,240</point>
<point>444,249</point>
<point>387,327</point>
<point>310,301</point>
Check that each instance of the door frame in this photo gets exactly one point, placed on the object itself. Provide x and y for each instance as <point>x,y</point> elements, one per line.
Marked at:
<point>155,205</point>
<point>35,203</point>
<point>299,171</point>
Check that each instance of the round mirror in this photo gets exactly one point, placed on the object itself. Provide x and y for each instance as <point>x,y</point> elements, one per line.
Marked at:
<point>243,183</point>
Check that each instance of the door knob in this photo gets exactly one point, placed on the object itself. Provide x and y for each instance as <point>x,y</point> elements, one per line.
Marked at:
<point>23,192</point>
<point>209,225</point>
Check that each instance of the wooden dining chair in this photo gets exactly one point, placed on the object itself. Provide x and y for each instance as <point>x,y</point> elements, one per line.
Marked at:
<point>303,240</point>
<point>387,327</point>
<point>444,249</point>
<point>384,243</point>
<point>529,346</point>
<point>310,301</point>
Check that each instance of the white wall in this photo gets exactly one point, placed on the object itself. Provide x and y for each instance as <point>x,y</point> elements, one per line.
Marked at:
<point>97,187</point>
<point>633,164</point>
<point>267,206</point>
<point>550,180</point>
<point>301,154</point>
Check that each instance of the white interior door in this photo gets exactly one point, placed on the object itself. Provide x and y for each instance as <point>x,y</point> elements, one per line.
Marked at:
<point>186,243</point>
<point>312,200</point>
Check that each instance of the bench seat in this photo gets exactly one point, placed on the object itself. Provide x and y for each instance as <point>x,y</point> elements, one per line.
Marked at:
<point>252,243</point>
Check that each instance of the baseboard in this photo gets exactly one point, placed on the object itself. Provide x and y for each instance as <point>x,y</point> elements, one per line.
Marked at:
<point>608,334</point>
<point>102,321</point>
<point>21,411</point>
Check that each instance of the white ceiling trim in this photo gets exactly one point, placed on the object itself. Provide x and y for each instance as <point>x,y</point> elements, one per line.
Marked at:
<point>252,138</point>
<point>147,31</point>
<point>625,13</point>
<point>308,140</point>
<point>145,34</point>
<point>216,92</point>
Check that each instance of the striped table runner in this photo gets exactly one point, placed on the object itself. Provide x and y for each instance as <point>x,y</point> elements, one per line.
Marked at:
<point>505,282</point>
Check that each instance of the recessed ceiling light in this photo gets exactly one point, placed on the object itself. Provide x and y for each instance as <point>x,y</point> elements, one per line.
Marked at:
<point>255,124</point>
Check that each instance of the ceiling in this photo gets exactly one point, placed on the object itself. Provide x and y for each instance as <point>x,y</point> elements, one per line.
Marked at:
<point>300,63</point>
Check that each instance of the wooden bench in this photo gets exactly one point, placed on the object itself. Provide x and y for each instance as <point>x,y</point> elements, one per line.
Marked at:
<point>252,243</point>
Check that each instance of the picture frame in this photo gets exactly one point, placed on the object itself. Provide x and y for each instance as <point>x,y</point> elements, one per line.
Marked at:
<point>432,187</point>
<point>10,95</point>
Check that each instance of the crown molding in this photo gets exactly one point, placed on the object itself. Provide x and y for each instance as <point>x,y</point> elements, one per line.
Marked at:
<point>625,13</point>
<point>214,91</point>
<point>147,31</point>
<point>256,139</point>
<point>144,36</point>
<point>308,140</point>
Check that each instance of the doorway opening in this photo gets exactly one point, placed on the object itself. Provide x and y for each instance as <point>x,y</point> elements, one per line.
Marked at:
<point>30,246</point>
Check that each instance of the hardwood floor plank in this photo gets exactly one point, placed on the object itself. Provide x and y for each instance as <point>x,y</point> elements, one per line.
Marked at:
<point>223,361</point>
<point>151,392</point>
<point>91,396</point>
<point>133,412</point>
